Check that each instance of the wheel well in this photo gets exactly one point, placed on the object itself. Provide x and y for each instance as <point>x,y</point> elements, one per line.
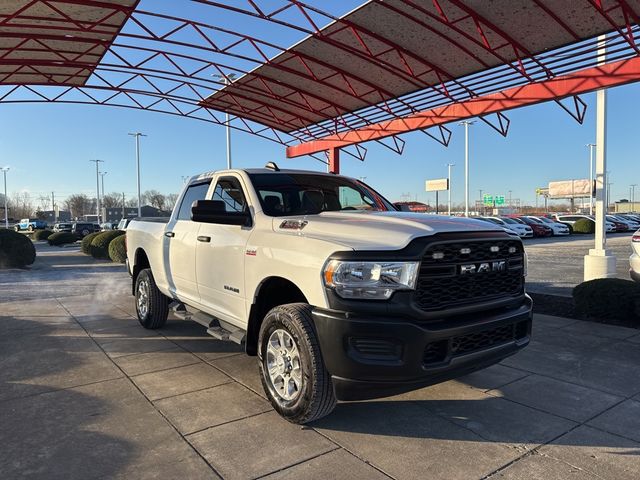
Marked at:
<point>140,262</point>
<point>273,292</point>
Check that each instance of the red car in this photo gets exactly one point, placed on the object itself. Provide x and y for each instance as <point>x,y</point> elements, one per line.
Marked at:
<point>539,230</point>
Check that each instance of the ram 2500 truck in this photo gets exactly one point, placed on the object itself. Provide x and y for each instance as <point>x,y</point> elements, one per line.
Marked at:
<point>338,294</point>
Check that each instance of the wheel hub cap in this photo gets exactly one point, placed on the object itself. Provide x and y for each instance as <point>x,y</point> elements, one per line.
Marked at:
<point>143,298</point>
<point>283,365</point>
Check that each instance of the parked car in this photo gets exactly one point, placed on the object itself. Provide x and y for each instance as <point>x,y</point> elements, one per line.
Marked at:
<point>620,225</point>
<point>539,228</point>
<point>108,226</point>
<point>82,229</point>
<point>523,231</point>
<point>334,290</point>
<point>124,223</point>
<point>634,260</point>
<point>570,219</point>
<point>62,227</point>
<point>556,227</point>
<point>630,222</point>
<point>491,220</point>
<point>30,224</point>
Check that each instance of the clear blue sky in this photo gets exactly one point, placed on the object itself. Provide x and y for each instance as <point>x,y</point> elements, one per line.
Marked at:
<point>48,148</point>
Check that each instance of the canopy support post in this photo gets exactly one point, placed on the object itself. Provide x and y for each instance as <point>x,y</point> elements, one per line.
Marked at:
<point>334,160</point>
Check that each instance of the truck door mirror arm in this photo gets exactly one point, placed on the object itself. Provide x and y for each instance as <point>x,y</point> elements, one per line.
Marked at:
<point>214,211</point>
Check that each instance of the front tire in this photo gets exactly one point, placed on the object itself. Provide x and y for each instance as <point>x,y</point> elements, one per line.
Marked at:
<point>30,228</point>
<point>152,306</point>
<point>291,367</point>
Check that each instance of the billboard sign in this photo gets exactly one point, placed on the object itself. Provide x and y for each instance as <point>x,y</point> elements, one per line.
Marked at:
<point>571,189</point>
<point>437,185</point>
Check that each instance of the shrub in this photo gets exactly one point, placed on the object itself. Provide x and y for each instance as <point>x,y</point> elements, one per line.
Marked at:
<point>609,298</point>
<point>100,243</point>
<point>42,234</point>
<point>61,238</point>
<point>584,225</point>
<point>16,250</point>
<point>118,249</point>
<point>85,245</point>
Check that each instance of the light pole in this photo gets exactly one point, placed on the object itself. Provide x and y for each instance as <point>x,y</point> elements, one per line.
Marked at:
<point>481,202</point>
<point>6,211</point>
<point>466,124</point>
<point>226,80</point>
<point>591,146</point>
<point>633,196</point>
<point>102,174</point>
<point>510,202</point>
<point>138,135</point>
<point>449,165</point>
<point>97,162</point>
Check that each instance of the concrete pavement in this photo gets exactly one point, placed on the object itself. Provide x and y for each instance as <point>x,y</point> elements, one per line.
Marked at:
<point>85,393</point>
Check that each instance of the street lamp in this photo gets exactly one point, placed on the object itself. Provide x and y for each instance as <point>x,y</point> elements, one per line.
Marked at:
<point>97,162</point>
<point>227,80</point>
<point>510,202</point>
<point>138,135</point>
<point>102,174</point>
<point>449,165</point>
<point>591,146</point>
<point>466,124</point>
<point>633,196</point>
<point>6,211</point>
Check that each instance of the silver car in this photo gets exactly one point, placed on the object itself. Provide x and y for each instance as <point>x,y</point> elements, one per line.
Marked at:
<point>634,259</point>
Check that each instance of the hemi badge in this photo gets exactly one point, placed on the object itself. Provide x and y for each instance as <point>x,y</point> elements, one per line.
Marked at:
<point>252,252</point>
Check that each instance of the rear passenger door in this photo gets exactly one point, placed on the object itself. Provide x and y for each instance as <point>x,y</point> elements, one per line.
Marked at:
<point>180,246</point>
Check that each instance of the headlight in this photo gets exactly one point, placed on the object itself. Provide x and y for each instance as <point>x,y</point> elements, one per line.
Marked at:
<point>370,280</point>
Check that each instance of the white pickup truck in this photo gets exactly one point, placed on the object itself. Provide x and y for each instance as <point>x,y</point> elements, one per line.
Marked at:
<point>338,294</point>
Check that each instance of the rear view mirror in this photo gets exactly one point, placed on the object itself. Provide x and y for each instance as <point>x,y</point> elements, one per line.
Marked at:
<point>214,211</point>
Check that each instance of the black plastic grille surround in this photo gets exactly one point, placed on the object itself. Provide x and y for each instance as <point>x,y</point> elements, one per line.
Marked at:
<point>441,283</point>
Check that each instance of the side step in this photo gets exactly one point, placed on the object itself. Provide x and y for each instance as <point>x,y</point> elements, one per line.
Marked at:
<point>218,329</point>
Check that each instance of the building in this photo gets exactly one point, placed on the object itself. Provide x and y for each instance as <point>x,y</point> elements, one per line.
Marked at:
<point>627,207</point>
<point>115,214</point>
<point>50,216</point>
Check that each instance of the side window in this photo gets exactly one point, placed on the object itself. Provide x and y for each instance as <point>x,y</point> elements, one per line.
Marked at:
<point>193,193</point>
<point>229,191</point>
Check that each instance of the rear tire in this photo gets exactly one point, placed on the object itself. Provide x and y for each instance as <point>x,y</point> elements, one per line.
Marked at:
<point>152,306</point>
<point>292,371</point>
<point>30,228</point>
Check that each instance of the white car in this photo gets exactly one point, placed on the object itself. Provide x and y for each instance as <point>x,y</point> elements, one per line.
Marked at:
<point>634,259</point>
<point>334,290</point>
<point>570,219</point>
<point>523,231</point>
<point>557,227</point>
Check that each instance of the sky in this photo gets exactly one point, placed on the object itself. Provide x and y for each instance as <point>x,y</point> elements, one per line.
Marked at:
<point>48,148</point>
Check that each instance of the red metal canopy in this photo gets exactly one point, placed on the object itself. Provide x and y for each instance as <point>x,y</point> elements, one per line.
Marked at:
<point>388,67</point>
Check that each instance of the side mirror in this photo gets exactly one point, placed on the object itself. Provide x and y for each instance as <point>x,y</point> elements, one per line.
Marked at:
<point>213,211</point>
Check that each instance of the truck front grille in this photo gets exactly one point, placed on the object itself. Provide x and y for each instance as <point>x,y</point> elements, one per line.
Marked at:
<point>454,274</point>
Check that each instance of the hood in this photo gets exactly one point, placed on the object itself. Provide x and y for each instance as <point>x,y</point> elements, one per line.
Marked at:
<point>362,230</point>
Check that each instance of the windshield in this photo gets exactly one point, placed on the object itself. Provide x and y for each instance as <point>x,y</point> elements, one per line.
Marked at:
<point>283,194</point>
<point>495,220</point>
<point>546,220</point>
<point>509,220</point>
<point>534,220</point>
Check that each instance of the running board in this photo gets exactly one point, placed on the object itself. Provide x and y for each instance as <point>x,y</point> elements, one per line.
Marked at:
<point>216,328</point>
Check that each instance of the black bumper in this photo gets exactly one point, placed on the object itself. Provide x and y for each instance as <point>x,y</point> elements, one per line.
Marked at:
<point>371,356</point>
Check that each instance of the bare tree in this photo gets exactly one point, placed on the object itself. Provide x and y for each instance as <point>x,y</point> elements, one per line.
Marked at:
<point>21,205</point>
<point>132,202</point>
<point>44,203</point>
<point>79,205</point>
<point>112,200</point>
<point>155,199</point>
<point>171,199</point>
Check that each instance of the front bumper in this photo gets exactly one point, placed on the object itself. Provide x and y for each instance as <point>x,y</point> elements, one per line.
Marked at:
<point>375,356</point>
<point>634,270</point>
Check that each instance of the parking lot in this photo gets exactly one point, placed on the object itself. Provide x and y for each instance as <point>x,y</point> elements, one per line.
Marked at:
<point>556,264</point>
<point>87,393</point>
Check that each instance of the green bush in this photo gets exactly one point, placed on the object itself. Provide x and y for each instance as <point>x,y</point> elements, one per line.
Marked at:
<point>609,299</point>
<point>16,250</point>
<point>85,245</point>
<point>42,234</point>
<point>100,243</point>
<point>584,225</point>
<point>118,249</point>
<point>62,238</point>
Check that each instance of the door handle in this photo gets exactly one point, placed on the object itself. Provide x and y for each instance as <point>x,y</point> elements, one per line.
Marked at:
<point>203,238</point>
<point>169,234</point>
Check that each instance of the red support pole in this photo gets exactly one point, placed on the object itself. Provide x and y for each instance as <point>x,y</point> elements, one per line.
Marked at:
<point>334,160</point>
